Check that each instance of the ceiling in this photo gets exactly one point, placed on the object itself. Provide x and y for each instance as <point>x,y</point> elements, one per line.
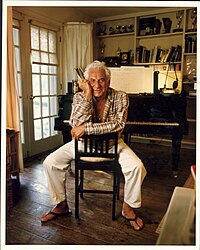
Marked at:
<point>98,12</point>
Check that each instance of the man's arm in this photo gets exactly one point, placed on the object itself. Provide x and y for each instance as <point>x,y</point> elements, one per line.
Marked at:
<point>82,106</point>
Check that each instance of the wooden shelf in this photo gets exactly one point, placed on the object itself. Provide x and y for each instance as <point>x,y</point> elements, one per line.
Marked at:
<point>160,35</point>
<point>117,35</point>
<point>157,63</point>
<point>190,54</point>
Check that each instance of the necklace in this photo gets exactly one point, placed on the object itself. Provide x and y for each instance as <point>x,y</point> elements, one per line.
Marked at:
<point>99,119</point>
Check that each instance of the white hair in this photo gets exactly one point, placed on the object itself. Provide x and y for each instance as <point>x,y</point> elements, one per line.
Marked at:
<point>97,65</point>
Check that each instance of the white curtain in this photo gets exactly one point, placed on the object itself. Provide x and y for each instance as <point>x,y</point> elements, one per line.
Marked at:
<point>77,48</point>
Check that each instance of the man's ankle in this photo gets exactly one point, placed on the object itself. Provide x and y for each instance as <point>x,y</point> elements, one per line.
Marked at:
<point>62,204</point>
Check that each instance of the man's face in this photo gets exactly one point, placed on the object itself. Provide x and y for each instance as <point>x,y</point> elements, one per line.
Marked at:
<point>99,83</point>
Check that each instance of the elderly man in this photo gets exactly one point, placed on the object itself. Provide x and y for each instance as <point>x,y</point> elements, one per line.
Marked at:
<point>97,109</point>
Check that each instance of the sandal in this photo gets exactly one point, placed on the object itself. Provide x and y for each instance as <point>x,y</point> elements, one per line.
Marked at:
<point>54,215</point>
<point>135,220</point>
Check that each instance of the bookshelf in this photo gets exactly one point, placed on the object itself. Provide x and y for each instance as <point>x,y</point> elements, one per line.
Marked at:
<point>150,45</point>
<point>156,38</point>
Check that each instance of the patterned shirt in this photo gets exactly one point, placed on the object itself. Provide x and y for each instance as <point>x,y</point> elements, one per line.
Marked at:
<point>114,116</point>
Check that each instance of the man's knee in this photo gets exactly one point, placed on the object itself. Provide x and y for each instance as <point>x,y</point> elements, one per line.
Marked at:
<point>47,163</point>
<point>141,169</point>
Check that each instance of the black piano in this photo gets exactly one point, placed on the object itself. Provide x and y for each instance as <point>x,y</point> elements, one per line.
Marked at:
<point>149,114</point>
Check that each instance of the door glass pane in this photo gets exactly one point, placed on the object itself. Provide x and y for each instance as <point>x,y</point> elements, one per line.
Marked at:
<point>35,56</point>
<point>53,132</point>
<point>44,82</point>
<point>36,107</point>
<point>44,57</point>
<point>53,105</point>
<point>38,129</point>
<point>52,42</point>
<point>43,39</point>
<point>17,58</point>
<point>35,68</point>
<point>52,69</point>
<point>46,130</point>
<point>22,132</point>
<point>36,84</point>
<point>53,85</point>
<point>19,84</point>
<point>52,58</point>
<point>21,108</point>
<point>34,38</point>
<point>45,106</point>
<point>44,69</point>
<point>16,36</point>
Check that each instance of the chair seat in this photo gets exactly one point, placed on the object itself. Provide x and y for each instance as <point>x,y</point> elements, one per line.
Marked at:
<point>95,159</point>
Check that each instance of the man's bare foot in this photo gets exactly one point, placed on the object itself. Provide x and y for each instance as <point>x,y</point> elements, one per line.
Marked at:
<point>59,210</point>
<point>129,215</point>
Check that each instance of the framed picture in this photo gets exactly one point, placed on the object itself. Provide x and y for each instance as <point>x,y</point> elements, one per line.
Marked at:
<point>125,58</point>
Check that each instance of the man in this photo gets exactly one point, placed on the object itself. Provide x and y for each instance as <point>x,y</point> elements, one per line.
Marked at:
<point>97,109</point>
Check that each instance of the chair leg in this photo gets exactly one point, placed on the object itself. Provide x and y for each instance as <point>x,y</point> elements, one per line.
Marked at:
<point>118,186</point>
<point>114,195</point>
<point>81,182</point>
<point>76,193</point>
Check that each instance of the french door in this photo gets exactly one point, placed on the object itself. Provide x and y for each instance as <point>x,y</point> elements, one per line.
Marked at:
<point>44,71</point>
<point>37,54</point>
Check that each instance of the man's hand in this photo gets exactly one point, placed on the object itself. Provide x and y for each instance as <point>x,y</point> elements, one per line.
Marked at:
<point>85,86</point>
<point>78,131</point>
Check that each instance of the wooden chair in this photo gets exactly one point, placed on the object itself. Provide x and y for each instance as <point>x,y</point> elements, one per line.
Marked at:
<point>95,155</point>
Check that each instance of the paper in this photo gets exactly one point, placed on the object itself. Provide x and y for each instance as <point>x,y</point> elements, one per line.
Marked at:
<point>132,79</point>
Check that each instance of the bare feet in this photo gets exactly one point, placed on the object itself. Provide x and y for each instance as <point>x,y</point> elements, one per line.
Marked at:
<point>59,210</point>
<point>129,215</point>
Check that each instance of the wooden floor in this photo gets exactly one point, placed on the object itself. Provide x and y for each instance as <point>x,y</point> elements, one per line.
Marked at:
<point>95,226</point>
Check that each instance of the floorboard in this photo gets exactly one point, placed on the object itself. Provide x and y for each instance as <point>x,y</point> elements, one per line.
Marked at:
<point>95,227</point>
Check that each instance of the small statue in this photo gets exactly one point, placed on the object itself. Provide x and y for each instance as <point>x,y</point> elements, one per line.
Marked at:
<point>167,24</point>
<point>124,29</point>
<point>102,29</point>
<point>118,28</point>
<point>157,26</point>
<point>111,30</point>
<point>130,28</point>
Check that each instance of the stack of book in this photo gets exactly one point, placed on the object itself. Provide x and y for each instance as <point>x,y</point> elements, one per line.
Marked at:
<point>158,55</point>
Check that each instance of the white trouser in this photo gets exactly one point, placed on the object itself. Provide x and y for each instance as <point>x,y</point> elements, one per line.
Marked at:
<point>132,167</point>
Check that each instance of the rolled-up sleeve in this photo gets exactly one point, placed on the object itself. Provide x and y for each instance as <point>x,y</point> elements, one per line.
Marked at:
<point>82,110</point>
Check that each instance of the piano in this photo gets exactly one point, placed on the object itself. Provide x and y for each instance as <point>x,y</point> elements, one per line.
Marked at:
<point>148,115</point>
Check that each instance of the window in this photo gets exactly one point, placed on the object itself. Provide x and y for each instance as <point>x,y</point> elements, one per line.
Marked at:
<point>16,41</point>
<point>44,81</point>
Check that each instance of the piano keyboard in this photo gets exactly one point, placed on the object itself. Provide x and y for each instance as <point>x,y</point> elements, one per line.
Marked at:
<point>173,124</point>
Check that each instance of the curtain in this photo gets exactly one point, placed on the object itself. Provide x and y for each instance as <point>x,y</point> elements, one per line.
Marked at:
<point>77,48</point>
<point>12,99</point>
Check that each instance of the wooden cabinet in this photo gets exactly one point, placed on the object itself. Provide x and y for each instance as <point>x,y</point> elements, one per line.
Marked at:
<point>12,168</point>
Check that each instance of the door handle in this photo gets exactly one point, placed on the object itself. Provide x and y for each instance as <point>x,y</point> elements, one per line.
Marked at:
<point>31,97</point>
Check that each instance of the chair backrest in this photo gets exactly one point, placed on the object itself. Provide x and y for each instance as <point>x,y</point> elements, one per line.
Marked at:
<point>97,148</point>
